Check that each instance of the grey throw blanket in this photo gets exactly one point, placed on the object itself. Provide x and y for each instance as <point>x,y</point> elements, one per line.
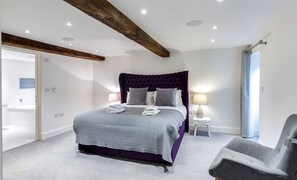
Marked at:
<point>130,130</point>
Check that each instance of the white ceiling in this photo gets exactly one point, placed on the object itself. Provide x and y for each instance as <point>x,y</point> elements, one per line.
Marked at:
<point>240,22</point>
<point>46,20</point>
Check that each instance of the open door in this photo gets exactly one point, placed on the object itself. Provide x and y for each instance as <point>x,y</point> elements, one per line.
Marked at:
<point>20,98</point>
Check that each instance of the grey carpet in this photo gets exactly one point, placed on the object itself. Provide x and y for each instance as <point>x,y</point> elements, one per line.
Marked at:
<point>57,158</point>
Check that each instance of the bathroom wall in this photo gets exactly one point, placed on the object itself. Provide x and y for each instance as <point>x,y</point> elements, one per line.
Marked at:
<point>12,71</point>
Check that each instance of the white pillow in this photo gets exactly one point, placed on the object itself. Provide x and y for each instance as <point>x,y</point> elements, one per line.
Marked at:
<point>150,97</point>
<point>178,99</point>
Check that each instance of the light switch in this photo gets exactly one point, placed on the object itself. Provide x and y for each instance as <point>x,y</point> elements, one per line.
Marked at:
<point>54,89</point>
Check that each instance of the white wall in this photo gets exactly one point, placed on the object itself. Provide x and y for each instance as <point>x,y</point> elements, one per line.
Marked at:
<point>73,80</point>
<point>1,162</point>
<point>149,63</point>
<point>215,72</point>
<point>106,74</point>
<point>12,71</point>
<point>278,77</point>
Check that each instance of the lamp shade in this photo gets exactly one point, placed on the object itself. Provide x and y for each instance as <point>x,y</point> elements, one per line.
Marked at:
<point>113,97</point>
<point>200,99</point>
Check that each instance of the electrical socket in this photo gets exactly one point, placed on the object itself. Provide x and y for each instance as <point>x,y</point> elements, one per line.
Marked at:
<point>56,115</point>
<point>61,114</point>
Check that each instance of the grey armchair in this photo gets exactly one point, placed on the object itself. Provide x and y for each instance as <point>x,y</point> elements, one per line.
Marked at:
<point>242,159</point>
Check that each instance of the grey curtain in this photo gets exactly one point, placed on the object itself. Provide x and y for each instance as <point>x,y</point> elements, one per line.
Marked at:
<point>246,123</point>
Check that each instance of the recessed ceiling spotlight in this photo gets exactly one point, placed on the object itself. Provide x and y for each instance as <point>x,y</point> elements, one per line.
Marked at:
<point>97,51</point>
<point>220,0</point>
<point>194,23</point>
<point>69,24</point>
<point>143,11</point>
<point>27,32</point>
<point>213,40</point>
<point>215,27</point>
<point>69,44</point>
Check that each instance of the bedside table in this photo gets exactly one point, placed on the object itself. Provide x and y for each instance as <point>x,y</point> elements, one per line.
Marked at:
<point>205,121</point>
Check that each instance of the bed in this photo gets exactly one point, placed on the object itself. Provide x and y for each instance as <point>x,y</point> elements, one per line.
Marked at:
<point>178,80</point>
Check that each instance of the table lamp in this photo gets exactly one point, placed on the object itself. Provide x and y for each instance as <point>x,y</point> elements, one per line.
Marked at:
<point>113,97</point>
<point>199,99</point>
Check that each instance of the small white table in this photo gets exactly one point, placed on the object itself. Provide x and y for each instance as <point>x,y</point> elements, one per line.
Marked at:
<point>205,121</point>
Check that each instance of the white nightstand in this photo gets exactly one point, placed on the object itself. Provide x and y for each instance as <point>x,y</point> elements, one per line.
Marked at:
<point>205,121</point>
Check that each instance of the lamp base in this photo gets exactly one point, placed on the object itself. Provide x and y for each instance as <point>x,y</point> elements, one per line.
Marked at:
<point>199,113</point>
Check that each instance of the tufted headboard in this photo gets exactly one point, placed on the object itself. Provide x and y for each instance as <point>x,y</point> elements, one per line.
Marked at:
<point>179,80</point>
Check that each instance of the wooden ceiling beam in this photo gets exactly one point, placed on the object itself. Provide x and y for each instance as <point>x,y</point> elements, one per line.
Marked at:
<point>109,15</point>
<point>20,42</point>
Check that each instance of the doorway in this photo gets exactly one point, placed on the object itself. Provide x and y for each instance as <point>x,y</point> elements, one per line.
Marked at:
<point>19,87</point>
<point>255,92</point>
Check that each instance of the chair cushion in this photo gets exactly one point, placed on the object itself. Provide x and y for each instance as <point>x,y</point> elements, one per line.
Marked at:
<point>242,160</point>
<point>251,148</point>
<point>226,153</point>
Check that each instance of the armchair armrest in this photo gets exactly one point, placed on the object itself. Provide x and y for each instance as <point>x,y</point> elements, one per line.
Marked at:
<point>250,148</point>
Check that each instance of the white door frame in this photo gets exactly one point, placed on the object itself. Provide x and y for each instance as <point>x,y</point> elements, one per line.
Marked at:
<point>38,125</point>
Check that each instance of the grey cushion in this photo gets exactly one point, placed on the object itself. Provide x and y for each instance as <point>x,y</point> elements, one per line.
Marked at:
<point>246,160</point>
<point>233,165</point>
<point>166,97</point>
<point>137,96</point>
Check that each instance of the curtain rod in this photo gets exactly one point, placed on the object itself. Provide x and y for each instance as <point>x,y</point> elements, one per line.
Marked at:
<point>260,42</point>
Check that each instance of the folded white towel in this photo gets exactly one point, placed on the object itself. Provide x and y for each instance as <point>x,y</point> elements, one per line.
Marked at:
<point>150,113</point>
<point>116,106</point>
<point>114,111</point>
<point>151,108</point>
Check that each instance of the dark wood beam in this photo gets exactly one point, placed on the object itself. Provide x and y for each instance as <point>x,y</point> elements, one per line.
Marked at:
<point>20,42</point>
<point>106,13</point>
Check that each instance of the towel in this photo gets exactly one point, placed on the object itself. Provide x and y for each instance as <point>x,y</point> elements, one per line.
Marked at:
<point>151,109</point>
<point>112,111</point>
<point>116,106</point>
<point>115,109</point>
<point>150,113</point>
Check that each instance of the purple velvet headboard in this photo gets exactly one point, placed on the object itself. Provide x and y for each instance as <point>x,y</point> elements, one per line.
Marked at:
<point>179,80</point>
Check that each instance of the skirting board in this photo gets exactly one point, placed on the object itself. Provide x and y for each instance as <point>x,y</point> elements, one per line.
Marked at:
<point>56,132</point>
<point>221,129</point>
